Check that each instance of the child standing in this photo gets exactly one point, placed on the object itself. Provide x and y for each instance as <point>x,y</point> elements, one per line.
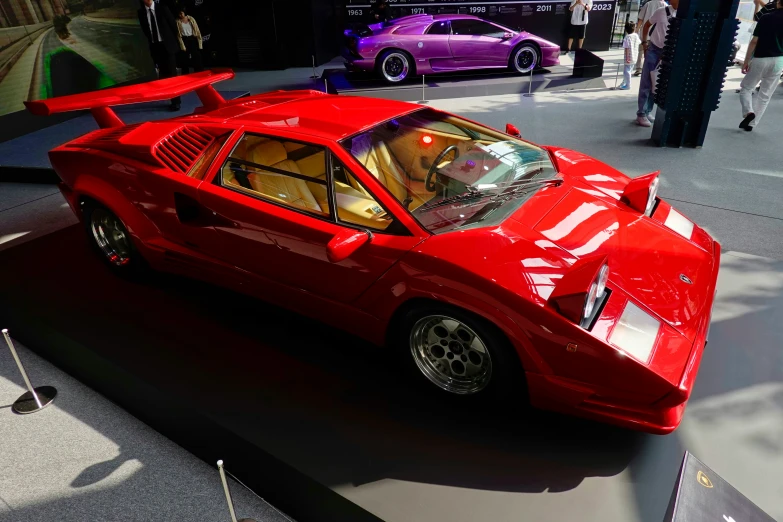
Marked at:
<point>631,45</point>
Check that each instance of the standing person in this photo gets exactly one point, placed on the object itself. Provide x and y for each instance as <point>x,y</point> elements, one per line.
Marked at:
<point>631,45</point>
<point>762,8</point>
<point>158,25</point>
<point>189,42</point>
<point>763,64</point>
<point>380,12</point>
<point>645,13</point>
<point>579,19</point>
<point>653,40</point>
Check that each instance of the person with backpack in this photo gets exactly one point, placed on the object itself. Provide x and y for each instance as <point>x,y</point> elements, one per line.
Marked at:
<point>653,41</point>
<point>763,64</point>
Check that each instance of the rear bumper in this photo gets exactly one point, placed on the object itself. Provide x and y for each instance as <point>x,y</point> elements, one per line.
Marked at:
<point>661,417</point>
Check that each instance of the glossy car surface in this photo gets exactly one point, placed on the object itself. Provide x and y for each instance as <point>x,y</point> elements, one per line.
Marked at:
<point>319,203</point>
<point>427,44</point>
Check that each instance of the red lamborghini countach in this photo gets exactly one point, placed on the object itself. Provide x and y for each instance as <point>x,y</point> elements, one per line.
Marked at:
<point>490,263</point>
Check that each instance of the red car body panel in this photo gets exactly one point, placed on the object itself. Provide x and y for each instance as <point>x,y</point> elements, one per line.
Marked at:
<point>504,273</point>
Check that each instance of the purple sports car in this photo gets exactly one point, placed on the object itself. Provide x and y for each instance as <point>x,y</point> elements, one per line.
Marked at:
<point>426,44</point>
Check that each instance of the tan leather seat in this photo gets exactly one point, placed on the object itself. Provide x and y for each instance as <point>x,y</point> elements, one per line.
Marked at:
<point>279,187</point>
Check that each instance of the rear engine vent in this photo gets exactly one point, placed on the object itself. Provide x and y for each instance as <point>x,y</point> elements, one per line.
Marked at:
<point>180,149</point>
<point>103,136</point>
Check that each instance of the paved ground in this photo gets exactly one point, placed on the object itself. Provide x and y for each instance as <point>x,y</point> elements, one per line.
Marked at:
<point>83,459</point>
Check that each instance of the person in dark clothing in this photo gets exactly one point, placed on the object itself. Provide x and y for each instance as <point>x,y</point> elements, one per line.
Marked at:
<point>763,8</point>
<point>158,25</point>
<point>380,12</point>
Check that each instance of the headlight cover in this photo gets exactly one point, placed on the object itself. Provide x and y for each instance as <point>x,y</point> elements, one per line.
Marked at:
<point>594,295</point>
<point>679,223</point>
<point>635,333</point>
<point>651,195</point>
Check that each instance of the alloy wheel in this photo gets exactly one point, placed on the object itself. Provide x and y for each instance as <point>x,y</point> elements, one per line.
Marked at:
<point>525,59</point>
<point>111,236</point>
<point>395,67</point>
<point>450,354</point>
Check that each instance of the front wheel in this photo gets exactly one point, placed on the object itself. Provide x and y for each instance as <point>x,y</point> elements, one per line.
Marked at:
<point>525,58</point>
<point>394,66</point>
<point>459,353</point>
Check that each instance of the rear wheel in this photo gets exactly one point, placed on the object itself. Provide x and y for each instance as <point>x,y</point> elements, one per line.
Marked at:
<point>110,238</point>
<point>394,66</point>
<point>525,58</point>
<point>460,354</point>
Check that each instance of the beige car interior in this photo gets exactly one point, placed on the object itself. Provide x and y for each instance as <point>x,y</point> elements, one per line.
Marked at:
<point>354,205</point>
<point>401,163</point>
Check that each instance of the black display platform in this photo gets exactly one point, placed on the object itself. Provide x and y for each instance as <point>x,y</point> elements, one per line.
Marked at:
<point>315,420</point>
<point>457,84</point>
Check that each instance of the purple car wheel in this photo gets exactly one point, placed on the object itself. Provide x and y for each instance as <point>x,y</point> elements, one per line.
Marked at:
<point>525,58</point>
<point>394,66</point>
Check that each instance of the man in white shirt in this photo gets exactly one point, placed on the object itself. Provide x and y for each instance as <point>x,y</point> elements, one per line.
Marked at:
<point>645,13</point>
<point>579,18</point>
<point>653,41</point>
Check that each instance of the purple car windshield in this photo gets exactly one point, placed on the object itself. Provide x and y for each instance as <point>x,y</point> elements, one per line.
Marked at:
<point>452,173</point>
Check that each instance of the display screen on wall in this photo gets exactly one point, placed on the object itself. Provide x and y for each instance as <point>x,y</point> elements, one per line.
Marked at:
<point>58,47</point>
<point>549,19</point>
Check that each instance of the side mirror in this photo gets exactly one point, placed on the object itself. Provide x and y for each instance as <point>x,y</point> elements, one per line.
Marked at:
<point>345,243</point>
<point>511,130</point>
<point>507,36</point>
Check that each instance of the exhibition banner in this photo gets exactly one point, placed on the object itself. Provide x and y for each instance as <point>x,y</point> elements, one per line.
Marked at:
<point>548,19</point>
<point>701,495</point>
<point>58,47</point>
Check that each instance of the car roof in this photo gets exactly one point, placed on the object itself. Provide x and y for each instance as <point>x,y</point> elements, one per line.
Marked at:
<point>312,113</point>
<point>455,17</point>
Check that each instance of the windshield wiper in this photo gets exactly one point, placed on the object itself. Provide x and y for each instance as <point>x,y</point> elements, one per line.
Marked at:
<point>475,193</point>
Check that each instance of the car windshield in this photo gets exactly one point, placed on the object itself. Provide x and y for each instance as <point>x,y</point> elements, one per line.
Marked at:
<point>452,173</point>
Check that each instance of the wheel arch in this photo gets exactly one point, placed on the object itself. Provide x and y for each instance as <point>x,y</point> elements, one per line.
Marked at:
<point>505,328</point>
<point>90,189</point>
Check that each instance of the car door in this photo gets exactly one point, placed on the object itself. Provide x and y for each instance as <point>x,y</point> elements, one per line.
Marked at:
<point>476,43</point>
<point>434,46</point>
<point>280,208</point>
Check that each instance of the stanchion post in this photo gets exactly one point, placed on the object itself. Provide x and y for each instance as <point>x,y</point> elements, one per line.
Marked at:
<point>35,399</point>
<point>529,86</point>
<point>616,74</point>
<point>226,491</point>
<point>314,76</point>
<point>423,100</point>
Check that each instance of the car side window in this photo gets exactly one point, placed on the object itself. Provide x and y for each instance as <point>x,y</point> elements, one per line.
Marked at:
<point>440,28</point>
<point>355,204</point>
<point>287,173</point>
<point>476,28</point>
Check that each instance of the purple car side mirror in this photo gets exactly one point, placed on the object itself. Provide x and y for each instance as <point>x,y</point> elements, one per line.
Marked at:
<point>506,36</point>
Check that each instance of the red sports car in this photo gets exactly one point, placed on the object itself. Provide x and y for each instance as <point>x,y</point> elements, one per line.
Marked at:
<point>490,263</point>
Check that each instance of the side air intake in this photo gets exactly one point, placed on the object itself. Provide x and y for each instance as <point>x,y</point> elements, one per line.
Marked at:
<point>180,149</point>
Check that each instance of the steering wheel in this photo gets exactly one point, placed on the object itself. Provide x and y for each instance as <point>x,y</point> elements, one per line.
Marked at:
<point>428,181</point>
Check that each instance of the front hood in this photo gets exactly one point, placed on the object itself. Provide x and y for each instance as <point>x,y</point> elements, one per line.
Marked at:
<point>648,261</point>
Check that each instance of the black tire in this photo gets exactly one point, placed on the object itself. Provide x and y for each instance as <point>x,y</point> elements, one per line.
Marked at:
<point>109,237</point>
<point>395,66</point>
<point>506,381</point>
<point>525,58</point>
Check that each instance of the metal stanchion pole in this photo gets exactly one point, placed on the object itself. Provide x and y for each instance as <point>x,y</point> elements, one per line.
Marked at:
<point>226,491</point>
<point>423,100</point>
<point>529,92</point>
<point>34,399</point>
<point>314,76</point>
<point>228,494</point>
<point>616,74</point>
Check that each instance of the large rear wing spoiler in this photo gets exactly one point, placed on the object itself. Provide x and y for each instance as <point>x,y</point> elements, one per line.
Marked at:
<point>100,102</point>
